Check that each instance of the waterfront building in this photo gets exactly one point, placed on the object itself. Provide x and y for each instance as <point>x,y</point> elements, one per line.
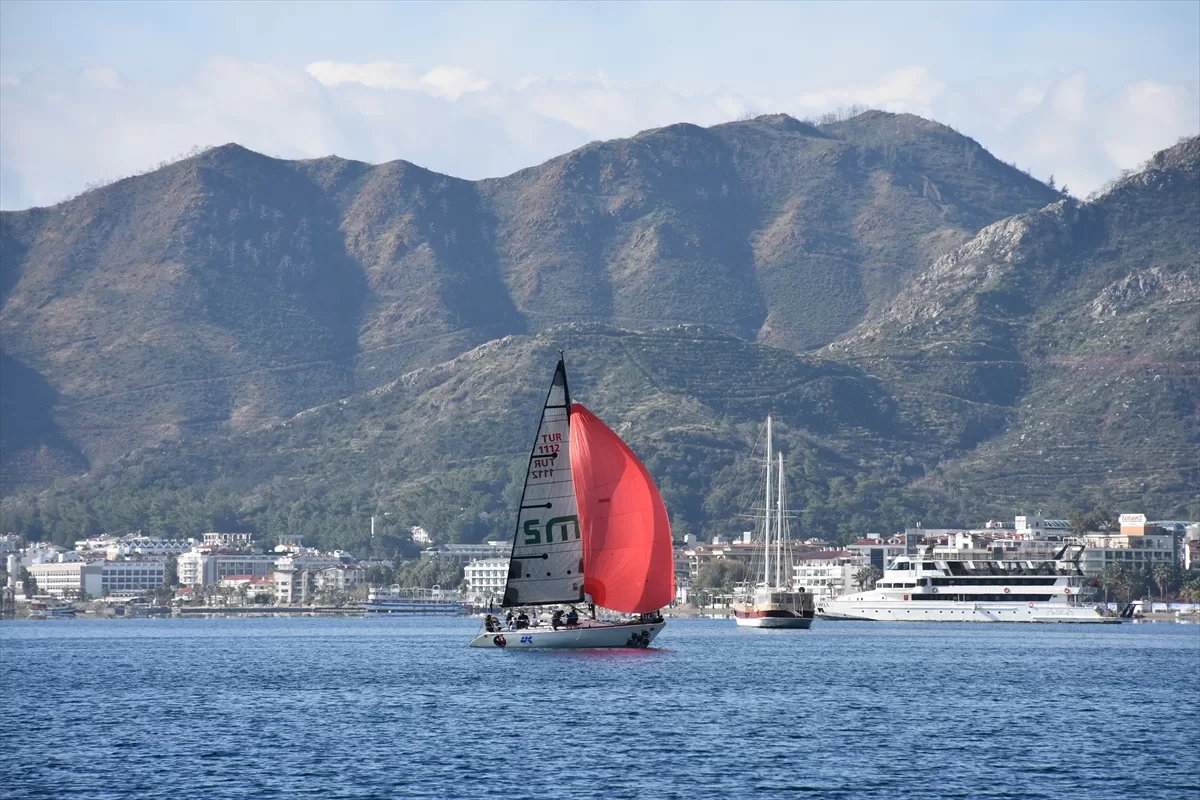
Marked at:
<point>130,578</point>
<point>71,579</point>
<point>339,579</point>
<point>485,577</point>
<point>826,573</point>
<point>1136,551</point>
<point>205,567</point>
<point>701,555</point>
<point>309,559</point>
<point>135,545</point>
<point>878,551</point>
<point>250,585</point>
<point>466,553</point>
<point>234,541</point>
<point>295,586</point>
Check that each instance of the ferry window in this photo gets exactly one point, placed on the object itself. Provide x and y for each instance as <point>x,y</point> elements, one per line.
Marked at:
<point>929,565</point>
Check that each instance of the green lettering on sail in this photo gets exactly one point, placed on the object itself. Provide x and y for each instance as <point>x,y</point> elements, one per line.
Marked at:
<point>564,524</point>
<point>532,534</point>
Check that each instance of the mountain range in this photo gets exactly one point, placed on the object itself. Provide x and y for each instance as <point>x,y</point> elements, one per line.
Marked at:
<point>933,328</point>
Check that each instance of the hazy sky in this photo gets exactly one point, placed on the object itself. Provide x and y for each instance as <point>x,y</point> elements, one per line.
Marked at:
<point>93,91</point>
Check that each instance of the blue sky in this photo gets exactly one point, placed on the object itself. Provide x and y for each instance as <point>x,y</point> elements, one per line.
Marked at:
<point>93,91</point>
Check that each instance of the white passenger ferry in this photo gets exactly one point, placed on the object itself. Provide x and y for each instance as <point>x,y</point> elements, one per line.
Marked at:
<point>395,600</point>
<point>920,589</point>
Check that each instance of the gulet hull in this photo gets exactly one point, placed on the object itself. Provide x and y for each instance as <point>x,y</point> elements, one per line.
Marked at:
<point>800,623</point>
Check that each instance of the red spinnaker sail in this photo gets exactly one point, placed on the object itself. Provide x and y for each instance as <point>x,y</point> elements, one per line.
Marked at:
<point>628,564</point>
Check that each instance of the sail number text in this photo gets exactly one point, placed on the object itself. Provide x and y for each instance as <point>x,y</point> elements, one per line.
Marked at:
<point>548,448</point>
<point>566,528</point>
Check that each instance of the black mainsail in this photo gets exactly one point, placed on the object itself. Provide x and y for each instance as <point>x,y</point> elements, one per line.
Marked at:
<point>547,552</point>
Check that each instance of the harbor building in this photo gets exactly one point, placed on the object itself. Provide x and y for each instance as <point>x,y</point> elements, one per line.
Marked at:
<point>339,579</point>
<point>878,551</point>
<point>75,578</point>
<point>69,579</point>
<point>131,578</point>
<point>233,541</point>
<point>205,567</point>
<point>485,577</point>
<point>466,553</point>
<point>826,573</point>
<point>1139,545</point>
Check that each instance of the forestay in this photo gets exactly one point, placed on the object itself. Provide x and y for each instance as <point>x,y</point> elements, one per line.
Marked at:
<point>547,553</point>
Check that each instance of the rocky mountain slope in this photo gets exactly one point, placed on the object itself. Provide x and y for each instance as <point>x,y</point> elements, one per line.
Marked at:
<point>233,290</point>
<point>1061,348</point>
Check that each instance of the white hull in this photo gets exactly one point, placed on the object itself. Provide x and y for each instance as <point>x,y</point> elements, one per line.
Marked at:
<point>774,622</point>
<point>953,611</point>
<point>632,635</point>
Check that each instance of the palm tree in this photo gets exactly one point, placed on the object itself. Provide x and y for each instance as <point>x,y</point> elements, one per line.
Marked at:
<point>1117,579</point>
<point>1164,579</point>
<point>866,577</point>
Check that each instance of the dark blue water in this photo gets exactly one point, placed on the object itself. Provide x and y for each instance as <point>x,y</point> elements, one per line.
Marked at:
<point>392,708</point>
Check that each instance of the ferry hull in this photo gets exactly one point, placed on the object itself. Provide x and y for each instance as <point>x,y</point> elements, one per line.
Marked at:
<point>412,608</point>
<point>960,612</point>
<point>632,636</point>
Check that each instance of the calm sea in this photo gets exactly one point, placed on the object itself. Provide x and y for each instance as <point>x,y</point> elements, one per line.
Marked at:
<point>392,708</point>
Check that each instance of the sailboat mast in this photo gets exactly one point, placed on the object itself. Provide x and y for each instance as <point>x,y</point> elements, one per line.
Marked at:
<point>767,516</point>
<point>779,569</point>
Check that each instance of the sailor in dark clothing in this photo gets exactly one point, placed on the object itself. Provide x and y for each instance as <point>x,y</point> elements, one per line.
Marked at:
<point>572,618</point>
<point>556,618</point>
<point>522,620</point>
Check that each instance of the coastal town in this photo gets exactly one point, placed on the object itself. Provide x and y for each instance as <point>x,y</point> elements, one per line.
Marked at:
<point>229,572</point>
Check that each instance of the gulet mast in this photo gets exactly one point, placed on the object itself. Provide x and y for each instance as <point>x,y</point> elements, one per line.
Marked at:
<point>780,572</point>
<point>767,516</point>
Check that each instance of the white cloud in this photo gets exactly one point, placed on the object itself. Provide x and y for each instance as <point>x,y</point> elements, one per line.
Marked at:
<point>59,132</point>
<point>1147,117</point>
<point>911,89</point>
<point>441,81</point>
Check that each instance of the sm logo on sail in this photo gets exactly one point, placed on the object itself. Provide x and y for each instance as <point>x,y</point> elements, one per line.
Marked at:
<point>565,528</point>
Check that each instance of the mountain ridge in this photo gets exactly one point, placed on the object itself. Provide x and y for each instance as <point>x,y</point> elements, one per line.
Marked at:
<point>923,358</point>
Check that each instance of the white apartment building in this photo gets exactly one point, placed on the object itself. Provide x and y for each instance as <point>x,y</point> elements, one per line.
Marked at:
<point>1137,551</point>
<point>486,577</point>
<point>147,546</point>
<point>878,551</point>
<point>466,553</point>
<point>339,579</point>
<point>826,573</point>
<point>131,578</point>
<point>238,541</point>
<point>309,559</point>
<point>68,578</point>
<point>201,567</point>
<point>295,585</point>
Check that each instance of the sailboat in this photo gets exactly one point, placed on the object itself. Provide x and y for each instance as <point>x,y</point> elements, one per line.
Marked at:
<point>775,604</point>
<point>592,529</point>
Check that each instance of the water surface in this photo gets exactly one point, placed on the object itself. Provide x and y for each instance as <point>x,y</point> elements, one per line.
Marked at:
<point>402,708</point>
